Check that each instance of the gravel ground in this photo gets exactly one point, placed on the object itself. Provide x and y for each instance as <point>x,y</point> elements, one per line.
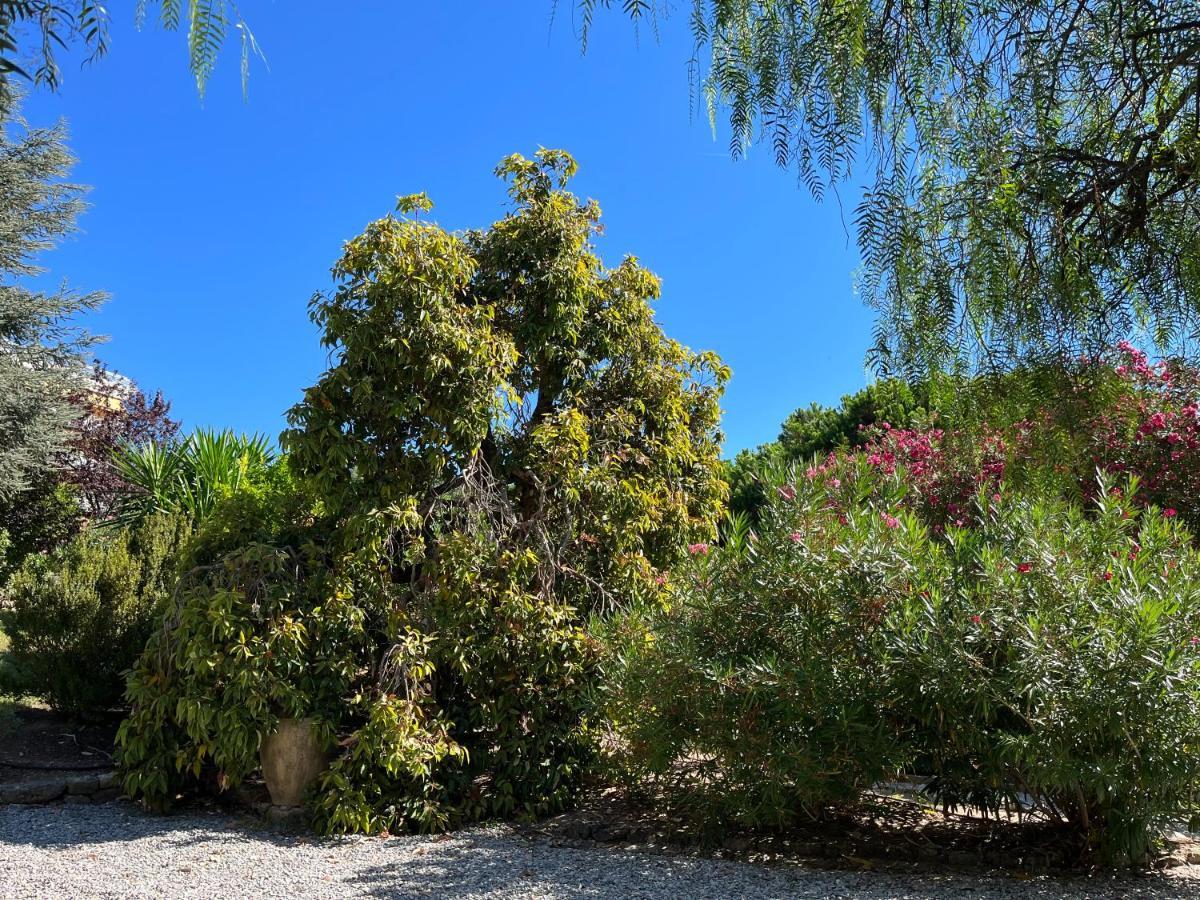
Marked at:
<point>114,850</point>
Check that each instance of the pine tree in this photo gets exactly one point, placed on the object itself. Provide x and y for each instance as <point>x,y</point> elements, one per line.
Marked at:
<point>42,349</point>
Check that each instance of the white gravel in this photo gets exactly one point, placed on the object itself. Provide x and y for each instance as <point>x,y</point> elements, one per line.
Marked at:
<point>114,850</point>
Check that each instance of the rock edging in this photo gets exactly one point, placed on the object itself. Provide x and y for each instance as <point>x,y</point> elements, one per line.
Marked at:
<point>90,787</point>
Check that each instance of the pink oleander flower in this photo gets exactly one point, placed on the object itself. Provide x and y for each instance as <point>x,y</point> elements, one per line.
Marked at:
<point>795,537</point>
<point>787,492</point>
<point>976,619</point>
<point>1107,576</point>
<point>1170,512</point>
<point>890,521</point>
<point>1024,567</point>
<point>697,549</point>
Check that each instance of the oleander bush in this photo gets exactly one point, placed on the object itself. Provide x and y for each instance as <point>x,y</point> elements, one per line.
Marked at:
<point>79,616</point>
<point>1041,652</point>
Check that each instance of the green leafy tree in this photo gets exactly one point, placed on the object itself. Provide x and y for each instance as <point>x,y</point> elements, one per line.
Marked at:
<point>504,444</point>
<point>1034,162</point>
<point>42,353</point>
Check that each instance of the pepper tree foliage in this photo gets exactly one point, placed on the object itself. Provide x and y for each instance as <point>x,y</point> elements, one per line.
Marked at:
<point>1034,161</point>
<point>504,445</point>
<point>33,32</point>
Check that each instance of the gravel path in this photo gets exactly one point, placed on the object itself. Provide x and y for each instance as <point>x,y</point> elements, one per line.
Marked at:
<point>114,850</point>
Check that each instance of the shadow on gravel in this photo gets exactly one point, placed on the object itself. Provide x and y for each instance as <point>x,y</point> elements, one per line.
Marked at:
<point>481,866</point>
<point>57,826</point>
<point>493,863</point>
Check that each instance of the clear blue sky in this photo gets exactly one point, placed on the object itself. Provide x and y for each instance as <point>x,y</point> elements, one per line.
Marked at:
<point>211,224</point>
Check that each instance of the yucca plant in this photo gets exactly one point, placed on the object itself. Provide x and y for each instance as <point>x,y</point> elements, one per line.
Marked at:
<point>188,477</point>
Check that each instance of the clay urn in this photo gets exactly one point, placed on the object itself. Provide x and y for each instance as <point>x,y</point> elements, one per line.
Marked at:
<point>292,758</point>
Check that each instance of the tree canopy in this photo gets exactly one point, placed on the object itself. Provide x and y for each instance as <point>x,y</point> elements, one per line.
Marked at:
<point>505,444</point>
<point>1033,163</point>
<point>42,350</point>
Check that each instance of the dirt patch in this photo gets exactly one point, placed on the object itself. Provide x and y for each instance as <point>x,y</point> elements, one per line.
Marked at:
<point>34,741</point>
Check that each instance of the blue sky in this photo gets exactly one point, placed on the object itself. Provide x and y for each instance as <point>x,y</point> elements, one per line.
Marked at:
<point>211,224</point>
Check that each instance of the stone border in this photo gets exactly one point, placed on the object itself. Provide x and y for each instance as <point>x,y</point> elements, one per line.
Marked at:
<point>98,787</point>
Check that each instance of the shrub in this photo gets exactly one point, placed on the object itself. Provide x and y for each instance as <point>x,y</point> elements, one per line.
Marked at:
<point>79,616</point>
<point>504,444</point>
<point>1043,652</point>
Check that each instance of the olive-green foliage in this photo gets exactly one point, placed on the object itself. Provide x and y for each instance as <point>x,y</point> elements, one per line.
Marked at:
<point>44,352</point>
<point>1043,654</point>
<point>504,444</point>
<point>80,615</point>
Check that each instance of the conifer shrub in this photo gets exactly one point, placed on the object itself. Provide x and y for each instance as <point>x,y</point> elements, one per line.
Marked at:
<point>79,616</point>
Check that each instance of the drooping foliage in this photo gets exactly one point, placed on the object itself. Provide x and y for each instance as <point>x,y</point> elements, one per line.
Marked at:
<point>504,444</point>
<point>34,32</point>
<point>1033,161</point>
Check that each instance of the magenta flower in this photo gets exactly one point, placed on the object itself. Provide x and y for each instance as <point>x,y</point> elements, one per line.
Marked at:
<point>1024,567</point>
<point>890,521</point>
<point>1170,512</point>
<point>697,549</point>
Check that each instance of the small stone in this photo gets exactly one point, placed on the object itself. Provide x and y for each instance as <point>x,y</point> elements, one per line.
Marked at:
<point>83,784</point>
<point>106,780</point>
<point>1171,862</point>
<point>610,834</point>
<point>1193,855</point>
<point>33,791</point>
<point>287,815</point>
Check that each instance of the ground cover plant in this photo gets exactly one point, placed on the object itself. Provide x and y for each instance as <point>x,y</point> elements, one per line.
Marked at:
<point>1031,651</point>
<point>505,444</point>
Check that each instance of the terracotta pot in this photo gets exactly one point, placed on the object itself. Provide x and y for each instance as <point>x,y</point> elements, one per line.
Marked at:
<point>291,759</point>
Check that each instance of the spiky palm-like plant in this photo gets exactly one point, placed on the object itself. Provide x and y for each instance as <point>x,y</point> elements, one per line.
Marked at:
<point>190,476</point>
